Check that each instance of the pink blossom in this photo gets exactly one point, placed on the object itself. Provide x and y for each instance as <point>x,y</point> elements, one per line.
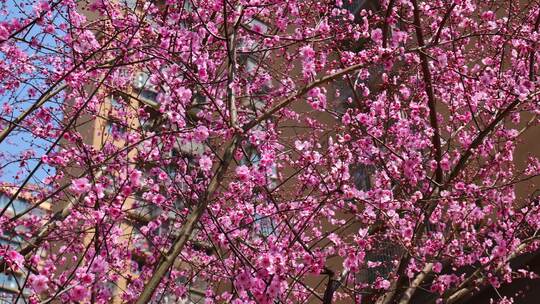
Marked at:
<point>243,173</point>
<point>205,163</point>
<point>382,284</point>
<point>135,178</point>
<point>408,233</point>
<point>39,283</point>
<point>244,280</point>
<point>201,133</point>
<point>79,293</point>
<point>307,52</point>
<point>443,60</point>
<point>376,35</point>
<point>81,185</point>
<point>371,264</point>
<point>203,73</point>
<point>100,190</point>
<point>4,33</point>
<point>347,136</point>
<point>159,199</point>
<point>437,267</point>
<point>351,263</point>
<point>13,258</point>
<point>87,278</point>
<point>317,99</point>
<point>405,92</point>
<point>99,265</point>
<point>299,145</point>
<point>42,6</point>
<point>308,61</point>
<point>162,175</point>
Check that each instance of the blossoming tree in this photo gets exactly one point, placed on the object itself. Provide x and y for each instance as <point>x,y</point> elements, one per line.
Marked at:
<point>272,151</point>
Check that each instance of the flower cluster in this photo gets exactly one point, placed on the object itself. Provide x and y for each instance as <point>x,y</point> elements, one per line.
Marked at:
<point>291,151</point>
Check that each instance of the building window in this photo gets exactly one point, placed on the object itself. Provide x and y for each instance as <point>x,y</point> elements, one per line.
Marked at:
<point>137,264</point>
<point>114,127</point>
<point>258,26</point>
<point>143,210</point>
<point>12,241</point>
<point>148,95</point>
<point>356,6</point>
<point>381,262</point>
<point>194,295</point>
<point>147,123</point>
<point>360,175</point>
<point>197,103</point>
<point>146,90</point>
<point>116,102</point>
<point>251,156</point>
<point>263,225</point>
<point>131,4</point>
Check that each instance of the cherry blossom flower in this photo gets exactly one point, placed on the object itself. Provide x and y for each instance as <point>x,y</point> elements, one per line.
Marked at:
<point>81,185</point>
<point>201,133</point>
<point>243,173</point>
<point>205,163</point>
<point>13,258</point>
<point>79,293</point>
<point>336,136</point>
<point>39,283</point>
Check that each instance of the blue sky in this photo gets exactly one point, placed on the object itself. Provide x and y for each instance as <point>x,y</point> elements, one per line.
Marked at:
<point>20,142</point>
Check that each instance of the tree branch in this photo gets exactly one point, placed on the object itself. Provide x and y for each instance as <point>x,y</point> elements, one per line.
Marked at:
<point>333,285</point>
<point>386,26</point>
<point>407,295</point>
<point>436,138</point>
<point>285,102</point>
<point>187,229</point>
<point>38,104</point>
<point>467,286</point>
